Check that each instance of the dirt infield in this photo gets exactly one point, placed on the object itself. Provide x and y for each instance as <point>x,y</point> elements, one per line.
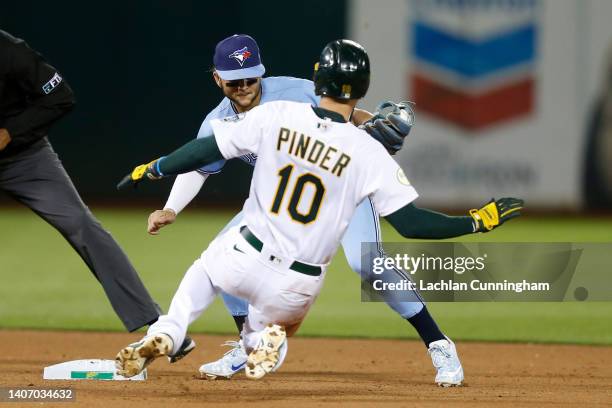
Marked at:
<point>323,372</point>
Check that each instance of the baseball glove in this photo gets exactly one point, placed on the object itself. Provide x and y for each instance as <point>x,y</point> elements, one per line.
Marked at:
<point>495,213</point>
<point>390,124</point>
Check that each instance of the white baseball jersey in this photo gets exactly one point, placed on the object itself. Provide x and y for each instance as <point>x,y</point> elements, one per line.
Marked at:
<point>310,176</point>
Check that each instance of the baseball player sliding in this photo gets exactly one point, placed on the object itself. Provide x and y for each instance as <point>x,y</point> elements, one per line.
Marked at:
<point>238,72</point>
<point>313,170</point>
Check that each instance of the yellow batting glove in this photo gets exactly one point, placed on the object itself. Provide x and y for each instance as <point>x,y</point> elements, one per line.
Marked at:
<point>149,170</point>
<point>495,213</point>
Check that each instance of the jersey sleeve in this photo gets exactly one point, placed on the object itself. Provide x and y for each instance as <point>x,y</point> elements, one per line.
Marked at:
<point>386,184</point>
<point>241,134</point>
<point>49,96</point>
<point>206,131</point>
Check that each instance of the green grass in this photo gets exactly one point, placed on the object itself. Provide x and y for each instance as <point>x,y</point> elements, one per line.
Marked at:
<point>44,284</point>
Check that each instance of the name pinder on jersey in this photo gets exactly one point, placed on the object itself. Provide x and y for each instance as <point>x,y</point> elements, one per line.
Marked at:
<point>312,150</point>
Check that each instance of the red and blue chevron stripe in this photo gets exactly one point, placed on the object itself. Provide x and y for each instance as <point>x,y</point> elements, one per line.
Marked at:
<point>473,80</point>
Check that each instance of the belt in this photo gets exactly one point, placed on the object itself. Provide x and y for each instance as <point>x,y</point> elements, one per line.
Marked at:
<point>295,266</point>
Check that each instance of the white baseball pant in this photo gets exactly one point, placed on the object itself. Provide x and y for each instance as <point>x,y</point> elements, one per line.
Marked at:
<point>276,293</point>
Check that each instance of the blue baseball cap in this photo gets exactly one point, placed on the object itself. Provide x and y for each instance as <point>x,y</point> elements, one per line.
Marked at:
<point>237,57</point>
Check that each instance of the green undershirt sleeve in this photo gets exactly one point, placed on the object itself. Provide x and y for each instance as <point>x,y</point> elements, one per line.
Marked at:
<point>191,156</point>
<point>414,222</point>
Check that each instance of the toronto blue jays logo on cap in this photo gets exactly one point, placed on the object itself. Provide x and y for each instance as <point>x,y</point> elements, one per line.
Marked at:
<point>238,57</point>
<point>241,55</point>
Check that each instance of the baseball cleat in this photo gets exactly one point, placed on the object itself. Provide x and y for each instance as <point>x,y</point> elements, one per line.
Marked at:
<point>266,356</point>
<point>232,362</point>
<point>282,353</point>
<point>186,348</point>
<point>134,358</point>
<point>446,361</point>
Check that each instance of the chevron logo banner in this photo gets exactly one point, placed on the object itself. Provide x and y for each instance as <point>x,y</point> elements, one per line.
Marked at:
<point>474,60</point>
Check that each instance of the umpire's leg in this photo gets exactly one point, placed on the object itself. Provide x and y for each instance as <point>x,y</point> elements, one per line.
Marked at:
<point>37,179</point>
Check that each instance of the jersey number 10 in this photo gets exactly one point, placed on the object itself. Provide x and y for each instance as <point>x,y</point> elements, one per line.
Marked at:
<point>296,196</point>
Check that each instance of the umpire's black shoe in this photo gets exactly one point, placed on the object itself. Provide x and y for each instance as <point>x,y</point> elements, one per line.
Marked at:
<point>188,345</point>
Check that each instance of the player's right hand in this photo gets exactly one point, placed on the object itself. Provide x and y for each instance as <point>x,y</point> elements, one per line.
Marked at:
<point>5,138</point>
<point>159,219</point>
<point>149,170</point>
<point>495,213</point>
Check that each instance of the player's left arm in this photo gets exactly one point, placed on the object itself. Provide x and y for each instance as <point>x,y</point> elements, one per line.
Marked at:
<point>413,222</point>
<point>389,125</point>
<point>360,116</point>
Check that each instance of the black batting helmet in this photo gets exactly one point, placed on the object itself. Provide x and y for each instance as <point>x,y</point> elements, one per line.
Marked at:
<point>343,70</point>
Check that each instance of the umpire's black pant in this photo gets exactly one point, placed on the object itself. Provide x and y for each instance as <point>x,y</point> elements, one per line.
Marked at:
<point>36,178</point>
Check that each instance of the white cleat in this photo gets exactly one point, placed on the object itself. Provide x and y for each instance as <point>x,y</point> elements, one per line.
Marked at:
<point>446,361</point>
<point>232,362</point>
<point>269,353</point>
<point>134,358</point>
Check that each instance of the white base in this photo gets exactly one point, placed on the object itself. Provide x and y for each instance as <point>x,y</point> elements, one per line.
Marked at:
<point>94,369</point>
